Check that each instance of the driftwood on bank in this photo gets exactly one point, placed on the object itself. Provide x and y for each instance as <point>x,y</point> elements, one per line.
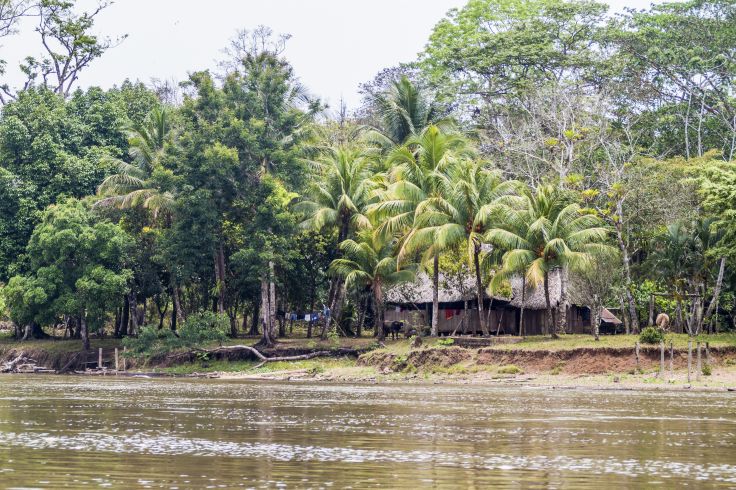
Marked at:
<point>257,353</point>
<point>23,364</point>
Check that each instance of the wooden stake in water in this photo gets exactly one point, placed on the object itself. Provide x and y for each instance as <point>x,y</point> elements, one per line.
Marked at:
<point>117,359</point>
<point>661,359</point>
<point>689,359</point>
<point>699,365</point>
<point>99,358</point>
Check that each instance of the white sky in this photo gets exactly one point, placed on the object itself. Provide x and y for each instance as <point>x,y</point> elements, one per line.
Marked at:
<point>335,44</point>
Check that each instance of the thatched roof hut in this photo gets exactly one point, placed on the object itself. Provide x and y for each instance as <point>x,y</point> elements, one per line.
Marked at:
<point>534,298</point>
<point>419,291</point>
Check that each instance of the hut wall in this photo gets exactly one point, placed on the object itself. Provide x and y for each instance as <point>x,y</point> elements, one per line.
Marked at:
<point>410,317</point>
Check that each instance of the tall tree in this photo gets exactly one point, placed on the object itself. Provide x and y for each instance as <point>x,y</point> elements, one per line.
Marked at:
<point>370,262</point>
<point>547,232</point>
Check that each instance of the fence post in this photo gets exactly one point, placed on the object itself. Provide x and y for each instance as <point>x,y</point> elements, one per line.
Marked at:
<point>707,353</point>
<point>689,358</point>
<point>636,352</point>
<point>699,365</point>
<point>99,358</point>
<point>117,360</point>
<point>124,349</point>
<point>661,359</point>
<point>672,359</point>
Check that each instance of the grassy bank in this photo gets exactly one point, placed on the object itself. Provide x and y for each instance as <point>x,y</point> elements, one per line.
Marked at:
<point>572,360</point>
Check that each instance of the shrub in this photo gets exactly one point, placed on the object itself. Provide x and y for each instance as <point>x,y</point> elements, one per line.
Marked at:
<point>510,369</point>
<point>447,341</point>
<point>198,330</point>
<point>707,370</point>
<point>651,335</point>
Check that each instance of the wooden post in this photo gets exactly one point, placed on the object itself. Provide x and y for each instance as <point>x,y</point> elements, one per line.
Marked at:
<point>117,359</point>
<point>672,359</point>
<point>699,365</point>
<point>689,358</point>
<point>99,358</point>
<point>651,310</point>
<point>124,349</point>
<point>707,353</point>
<point>661,359</point>
<point>636,351</point>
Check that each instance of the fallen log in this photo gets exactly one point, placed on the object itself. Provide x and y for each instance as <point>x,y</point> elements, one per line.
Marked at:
<point>258,354</point>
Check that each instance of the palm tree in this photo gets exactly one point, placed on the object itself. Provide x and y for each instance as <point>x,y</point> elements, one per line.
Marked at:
<point>404,111</point>
<point>370,263</point>
<point>137,183</point>
<point>145,182</point>
<point>460,213</point>
<point>415,172</point>
<point>548,232</point>
<point>338,200</point>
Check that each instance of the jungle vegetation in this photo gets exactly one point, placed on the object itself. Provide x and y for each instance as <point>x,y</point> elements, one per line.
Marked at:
<point>528,136</point>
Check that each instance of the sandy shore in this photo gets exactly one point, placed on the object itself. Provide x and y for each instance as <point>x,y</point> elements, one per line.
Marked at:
<point>721,380</point>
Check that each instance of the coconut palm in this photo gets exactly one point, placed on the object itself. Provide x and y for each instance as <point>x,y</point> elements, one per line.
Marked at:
<point>369,262</point>
<point>338,199</point>
<point>404,111</point>
<point>415,173</point>
<point>547,232</point>
<point>460,213</point>
<point>138,183</point>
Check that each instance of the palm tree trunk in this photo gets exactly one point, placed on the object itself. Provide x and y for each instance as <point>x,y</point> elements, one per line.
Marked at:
<point>378,298</point>
<point>562,320</point>
<point>596,316</point>
<point>435,294</point>
<point>523,304</point>
<point>550,321</point>
<point>479,286</point>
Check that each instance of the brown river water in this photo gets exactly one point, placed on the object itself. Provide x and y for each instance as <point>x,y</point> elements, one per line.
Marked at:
<point>79,432</point>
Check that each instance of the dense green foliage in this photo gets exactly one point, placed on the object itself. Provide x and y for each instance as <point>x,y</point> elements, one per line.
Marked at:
<point>530,137</point>
<point>651,335</point>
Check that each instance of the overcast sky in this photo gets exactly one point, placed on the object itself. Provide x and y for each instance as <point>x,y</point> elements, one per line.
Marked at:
<point>335,44</point>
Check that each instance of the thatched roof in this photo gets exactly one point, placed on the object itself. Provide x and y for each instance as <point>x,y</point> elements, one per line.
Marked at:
<point>454,290</point>
<point>534,298</point>
<point>420,291</point>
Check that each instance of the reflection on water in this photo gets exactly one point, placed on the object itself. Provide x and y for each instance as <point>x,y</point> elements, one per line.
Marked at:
<point>81,432</point>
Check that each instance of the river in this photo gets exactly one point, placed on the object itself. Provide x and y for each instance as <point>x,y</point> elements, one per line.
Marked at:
<point>82,432</point>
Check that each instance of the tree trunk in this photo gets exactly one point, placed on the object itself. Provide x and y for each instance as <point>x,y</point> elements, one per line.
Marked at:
<point>716,291</point>
<point>133,302</point>
<point>523,305</point>
<point>435,294</point>
<point>479,286</point>
<point>266,317</point>
<point>627,267</point>
<point>562,306</point>
<point>549,321</point>
<point>256,318</point>
<point>125,317</point>
<point>378,297</point>
<point>624,315</point>
<point>177,313</point>
<point>596,316</point>
<point>220,278</point>
<point>83,331</point>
